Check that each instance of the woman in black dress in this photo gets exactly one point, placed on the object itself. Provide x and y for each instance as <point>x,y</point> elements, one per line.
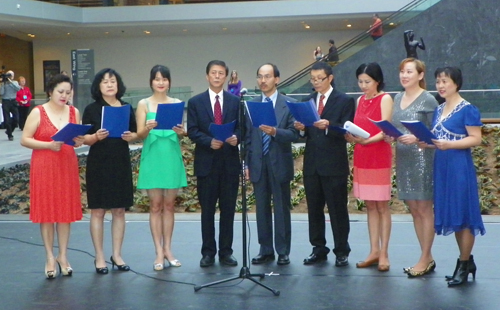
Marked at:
<point>109,174</point>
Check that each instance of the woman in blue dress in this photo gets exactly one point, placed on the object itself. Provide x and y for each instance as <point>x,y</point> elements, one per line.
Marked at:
<point>457,126</point>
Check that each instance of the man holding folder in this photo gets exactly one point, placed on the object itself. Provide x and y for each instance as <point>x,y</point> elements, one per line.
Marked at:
<point>216,163</point>
<point>326,167</point>
<point>270,168</point>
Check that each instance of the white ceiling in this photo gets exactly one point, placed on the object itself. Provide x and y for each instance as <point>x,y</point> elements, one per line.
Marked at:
<point>45,29</point>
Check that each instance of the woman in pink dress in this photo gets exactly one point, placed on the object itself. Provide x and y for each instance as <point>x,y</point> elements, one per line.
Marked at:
<point>373,163</point>
<point>54,177</point>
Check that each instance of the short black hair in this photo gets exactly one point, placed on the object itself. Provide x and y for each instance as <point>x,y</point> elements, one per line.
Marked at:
<point>374,71</point>
<point>95,89</point>
<point>165,73</point>
<point>331,42</point>
<point>217,63</point>
<point>454,73</point>
<point>321,65</point>
<point>276,71</point>
<point>56,80</point>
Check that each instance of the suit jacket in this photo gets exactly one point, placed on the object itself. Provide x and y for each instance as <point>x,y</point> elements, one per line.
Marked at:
<point>326,153</point>
<point>200,116</point>
<point>280,146</point>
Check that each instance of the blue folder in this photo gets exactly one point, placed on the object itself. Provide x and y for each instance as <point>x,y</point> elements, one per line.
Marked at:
<point>70,131</point>
<point>169,115</point>
<point>261,113</point>
<point>304,112</point>
<point>222,132</point>
<point>420,131</point>
<point>115,120</point>
<point>388,128</point>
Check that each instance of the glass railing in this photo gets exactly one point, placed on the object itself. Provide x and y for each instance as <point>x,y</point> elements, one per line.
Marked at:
<point>299,82</point>
<point>486,100</point>
<point>134,95</point>
<point>97,3</point>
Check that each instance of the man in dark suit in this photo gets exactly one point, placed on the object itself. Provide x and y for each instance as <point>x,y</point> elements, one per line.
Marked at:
<point>326,167</point>
<point>216,163</point>
<point>270,168</point>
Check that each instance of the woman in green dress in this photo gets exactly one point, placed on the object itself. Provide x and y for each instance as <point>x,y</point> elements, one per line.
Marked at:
<point>161,171</point>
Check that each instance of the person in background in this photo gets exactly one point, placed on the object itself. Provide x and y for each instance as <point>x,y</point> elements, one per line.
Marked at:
<point>54,176</point>
<point>216,163</point>
<point>8,90</point>
<point>376,30</point>
<point>333,54</point>
<point>161,171</point>
<point>457,126</point>
<point>414,165</point>
<point>318,54</point>
<point>373,163</point>
<point>326,168</point>
<point>109,173</point>
<point>270,168</point>
<point>234,84</point>
<point>23,98</point>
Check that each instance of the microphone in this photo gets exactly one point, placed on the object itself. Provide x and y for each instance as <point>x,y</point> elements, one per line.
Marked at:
<point>243,91</point>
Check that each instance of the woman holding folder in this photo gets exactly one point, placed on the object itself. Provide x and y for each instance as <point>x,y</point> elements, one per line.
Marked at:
<point>54,178</point>
<point>108,174</point>
<point>161,171</point>
<point>373,163</point>
<point>457,126</point>
<point>414,165</point>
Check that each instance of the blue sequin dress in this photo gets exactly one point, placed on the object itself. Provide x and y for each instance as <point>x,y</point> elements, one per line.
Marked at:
<point>456,197</point>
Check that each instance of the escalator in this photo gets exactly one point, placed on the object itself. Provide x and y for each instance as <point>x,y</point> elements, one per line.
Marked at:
<point>299,82</point>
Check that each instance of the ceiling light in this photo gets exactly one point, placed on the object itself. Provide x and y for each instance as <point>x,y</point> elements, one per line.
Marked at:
<point>349,25</point>
<point>224,28</point>
<point>107,32</point>
<point>185,30</point>
<point>307,26</point>
<point>68,33</point>
<point>147,32</point>
<point>391,24</point>
<point>31,35</point>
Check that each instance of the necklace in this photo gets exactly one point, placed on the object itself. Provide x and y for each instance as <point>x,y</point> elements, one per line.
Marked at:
<point>60,115</point>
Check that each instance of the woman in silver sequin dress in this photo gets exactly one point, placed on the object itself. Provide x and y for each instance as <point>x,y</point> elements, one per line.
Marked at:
<point>414,165</point>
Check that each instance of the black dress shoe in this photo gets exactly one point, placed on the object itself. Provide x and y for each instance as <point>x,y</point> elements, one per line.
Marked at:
<point>207,261</point>
<point>283,259</point>
<point>261,259</point>
<point>314,258</point>
<point>341,261</point>
<point>228,260</point>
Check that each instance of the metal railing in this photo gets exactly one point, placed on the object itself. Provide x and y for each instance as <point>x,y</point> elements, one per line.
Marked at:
<point>299,82</point>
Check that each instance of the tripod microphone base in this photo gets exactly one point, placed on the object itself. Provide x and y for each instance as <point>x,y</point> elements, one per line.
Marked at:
<point>244,274</point>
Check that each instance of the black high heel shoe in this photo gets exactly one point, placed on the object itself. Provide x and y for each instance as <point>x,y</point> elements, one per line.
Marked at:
<point>123,267</point>
<point>472,269</point>
<point>101,270</point>
<point>461,275</point>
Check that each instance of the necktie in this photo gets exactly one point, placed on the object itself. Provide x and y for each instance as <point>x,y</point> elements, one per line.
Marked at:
<point>321,105</point>
<point>217,111</point>
<point>266,139</point>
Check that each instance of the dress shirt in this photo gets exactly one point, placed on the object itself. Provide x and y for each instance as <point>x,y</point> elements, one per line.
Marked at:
<point>212,95</point>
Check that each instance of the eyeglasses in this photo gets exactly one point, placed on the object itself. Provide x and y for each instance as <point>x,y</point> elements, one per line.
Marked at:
<point>317,80</point>
<point>264,77</point>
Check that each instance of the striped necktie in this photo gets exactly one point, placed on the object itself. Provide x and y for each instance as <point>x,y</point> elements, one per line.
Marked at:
<point>266,139</point>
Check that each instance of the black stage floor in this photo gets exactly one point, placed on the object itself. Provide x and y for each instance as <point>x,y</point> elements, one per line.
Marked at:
<point>23,286</point>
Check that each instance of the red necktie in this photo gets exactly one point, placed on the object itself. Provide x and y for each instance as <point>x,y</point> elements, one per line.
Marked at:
<point>321,105</point>
<point>217,111</point>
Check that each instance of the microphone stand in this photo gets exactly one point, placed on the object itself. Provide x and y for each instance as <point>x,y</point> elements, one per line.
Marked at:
<point>245,270</point>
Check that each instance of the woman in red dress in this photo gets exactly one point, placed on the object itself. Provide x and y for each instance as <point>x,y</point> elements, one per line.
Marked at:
<point>54,178</point>
<point>373,163</point>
